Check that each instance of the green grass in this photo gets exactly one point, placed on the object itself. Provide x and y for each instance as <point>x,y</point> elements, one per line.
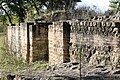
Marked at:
<point>11,63</point>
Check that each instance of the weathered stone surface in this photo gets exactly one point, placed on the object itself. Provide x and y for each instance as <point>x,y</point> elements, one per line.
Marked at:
<point>59,37</point>
<point>39,42</point>
<point>98,44</point>
<point>29,41</point>
<point>93,42</point>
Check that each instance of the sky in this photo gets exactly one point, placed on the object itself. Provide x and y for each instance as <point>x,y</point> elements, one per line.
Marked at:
<point>101,4</point>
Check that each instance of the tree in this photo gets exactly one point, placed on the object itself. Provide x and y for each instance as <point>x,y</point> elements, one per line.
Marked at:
<point>2,4</point>
<point>60,4</point>
<point>19,9</point>
<point>85,13</point>
<point>114,6</point>
<point>14,7</point>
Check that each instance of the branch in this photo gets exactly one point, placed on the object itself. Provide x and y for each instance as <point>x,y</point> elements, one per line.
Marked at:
<point>7,15</point>
<point>35,6</point>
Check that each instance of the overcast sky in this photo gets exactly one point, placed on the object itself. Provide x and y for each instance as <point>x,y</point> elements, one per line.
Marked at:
<point>101,4</point>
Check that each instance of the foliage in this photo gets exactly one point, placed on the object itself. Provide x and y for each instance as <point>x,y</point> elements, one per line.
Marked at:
<point>114,6</point>
<point>19,10</point>
<point>61,4</point>
<point>109,12</point>
<point>86,13</point>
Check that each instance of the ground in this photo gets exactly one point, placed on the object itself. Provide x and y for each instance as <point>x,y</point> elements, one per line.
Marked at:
<point>9,62</point>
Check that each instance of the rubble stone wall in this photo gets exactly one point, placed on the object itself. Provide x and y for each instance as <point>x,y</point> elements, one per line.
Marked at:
<point>59,37</point>
<point>96,42</point>
<point>28,40</point>
<point>39,42</point>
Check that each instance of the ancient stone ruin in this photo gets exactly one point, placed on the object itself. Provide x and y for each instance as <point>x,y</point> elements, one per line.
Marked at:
<point>96,41</point>
<point>29,40</point>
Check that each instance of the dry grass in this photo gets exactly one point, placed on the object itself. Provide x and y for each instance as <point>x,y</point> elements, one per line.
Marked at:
<point>10,63</point>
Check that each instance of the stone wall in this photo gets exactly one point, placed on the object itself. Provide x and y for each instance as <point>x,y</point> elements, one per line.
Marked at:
<point>28,40</point>
<point>96,41</point>
<point>39,42</point>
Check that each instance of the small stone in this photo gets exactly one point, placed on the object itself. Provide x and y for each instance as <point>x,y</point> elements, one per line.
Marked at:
<point>116,72</point>
<point>53,68</point>
<point>104,69</point>
<point>99,66</point>
<point>48,67</point>
<point>98,72</point>
<point>69,65</point>
<point>106,72</point>
<point>74,67</point>
<point>75,63</point>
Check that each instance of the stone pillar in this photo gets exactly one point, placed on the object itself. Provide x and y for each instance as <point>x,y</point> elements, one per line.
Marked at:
<point>13,40</point>
<point>59,38</point>
<point>9,38</point>
<point>17,40</point>
<point>24,41</point>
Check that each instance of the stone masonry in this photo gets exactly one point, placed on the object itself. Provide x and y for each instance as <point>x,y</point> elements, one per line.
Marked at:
<point>29,40</point>
<point>59,38</point>
<point>96,41</point>
<point>39,41</point>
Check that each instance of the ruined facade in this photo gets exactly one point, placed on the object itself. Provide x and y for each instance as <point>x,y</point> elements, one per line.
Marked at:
<point>96,40</point>
<point>29,40</point>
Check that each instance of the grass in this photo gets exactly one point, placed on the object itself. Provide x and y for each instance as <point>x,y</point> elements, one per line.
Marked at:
<point>11,63</point>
